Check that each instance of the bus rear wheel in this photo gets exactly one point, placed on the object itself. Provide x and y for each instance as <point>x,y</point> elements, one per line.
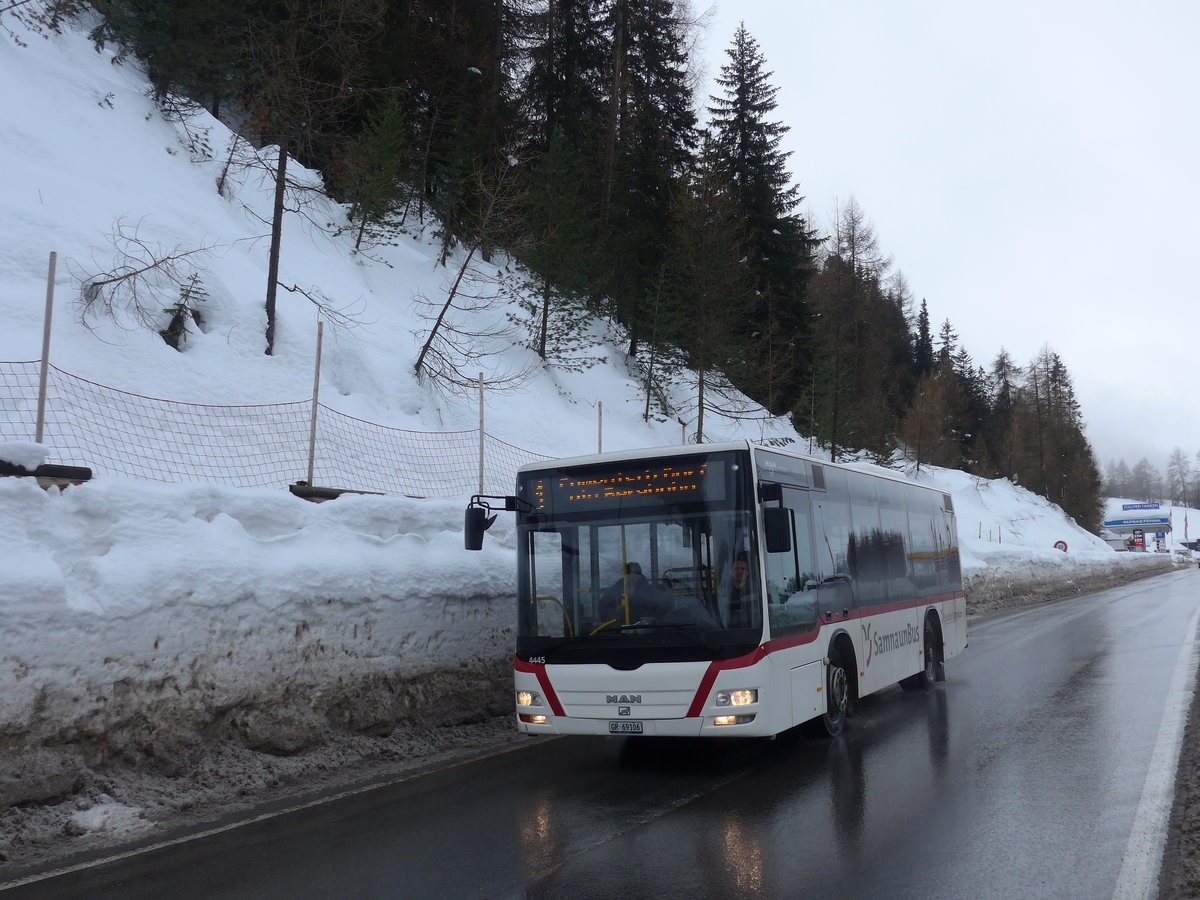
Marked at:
<point>924,680</point>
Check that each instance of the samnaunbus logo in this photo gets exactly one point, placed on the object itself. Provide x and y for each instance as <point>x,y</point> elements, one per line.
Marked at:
<point>885,643</point>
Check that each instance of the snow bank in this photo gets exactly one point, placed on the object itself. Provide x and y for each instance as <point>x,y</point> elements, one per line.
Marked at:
<point>140,616</point>
<point>1010,539</point>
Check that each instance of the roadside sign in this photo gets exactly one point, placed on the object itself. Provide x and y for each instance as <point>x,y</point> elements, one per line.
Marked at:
<point>1143,522</point>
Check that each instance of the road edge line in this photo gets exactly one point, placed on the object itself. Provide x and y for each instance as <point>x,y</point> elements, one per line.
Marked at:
<point>1143,855</point>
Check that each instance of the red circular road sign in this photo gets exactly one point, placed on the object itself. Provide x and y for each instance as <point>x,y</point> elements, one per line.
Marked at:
<point>1060,545</point>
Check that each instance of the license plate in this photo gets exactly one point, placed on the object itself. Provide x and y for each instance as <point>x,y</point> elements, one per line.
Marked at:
<point>624,727</point>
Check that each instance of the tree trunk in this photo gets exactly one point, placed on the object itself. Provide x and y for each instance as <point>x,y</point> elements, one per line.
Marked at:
<point>543,331</point>
<point>615,101</point>
<point>276,236</point>
<point>442,315</point>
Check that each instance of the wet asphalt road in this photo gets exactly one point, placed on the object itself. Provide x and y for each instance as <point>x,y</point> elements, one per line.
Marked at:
<point>1020,776</point>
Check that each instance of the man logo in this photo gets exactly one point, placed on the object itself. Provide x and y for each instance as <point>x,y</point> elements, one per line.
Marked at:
<point>622,698</point>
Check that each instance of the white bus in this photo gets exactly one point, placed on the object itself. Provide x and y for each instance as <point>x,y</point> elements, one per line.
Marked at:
<point>723,590</point>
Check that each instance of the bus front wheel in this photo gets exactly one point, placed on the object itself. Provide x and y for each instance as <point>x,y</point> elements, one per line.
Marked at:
<point>837,700</point>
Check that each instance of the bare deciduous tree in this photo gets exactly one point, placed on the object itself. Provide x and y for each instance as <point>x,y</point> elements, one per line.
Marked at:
<point>462,334</point>
<point>309,66</point>
<point>137,277</point>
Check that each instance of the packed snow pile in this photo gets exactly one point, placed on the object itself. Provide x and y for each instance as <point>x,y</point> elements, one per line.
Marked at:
<point>1019,548</point>
<point>139,616</point>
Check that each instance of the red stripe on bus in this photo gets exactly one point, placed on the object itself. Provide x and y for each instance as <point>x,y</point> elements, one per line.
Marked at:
<point>786,643</point>
<point>758,654</point>
<point>543,680</point>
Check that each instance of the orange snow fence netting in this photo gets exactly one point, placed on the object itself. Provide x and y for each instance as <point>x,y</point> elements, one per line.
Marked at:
<point>132,436</point>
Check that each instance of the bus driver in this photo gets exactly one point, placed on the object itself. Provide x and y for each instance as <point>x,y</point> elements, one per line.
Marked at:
<point>645,601</point>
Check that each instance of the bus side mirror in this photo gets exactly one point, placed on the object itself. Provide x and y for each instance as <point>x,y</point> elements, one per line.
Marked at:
<point>777,522</point>
<point>475,522</point>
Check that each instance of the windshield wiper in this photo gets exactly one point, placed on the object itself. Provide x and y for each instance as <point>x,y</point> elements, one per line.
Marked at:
<point>681,627</point>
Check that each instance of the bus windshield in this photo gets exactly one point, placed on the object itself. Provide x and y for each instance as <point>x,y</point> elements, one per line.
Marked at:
<point>650,574</point>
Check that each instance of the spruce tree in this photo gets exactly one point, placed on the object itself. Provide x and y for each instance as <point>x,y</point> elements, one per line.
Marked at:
<point>1003,382</point>
<point>564,85</point>
<point>557,244</point>
<point>649,143</point>
<point>922,343</point>
<point>373,176</point>
<point>780,245</point>
<point>707,289</point>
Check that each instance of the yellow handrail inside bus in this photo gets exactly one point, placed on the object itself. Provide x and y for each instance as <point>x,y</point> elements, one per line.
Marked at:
<point>566,615</point>
<point>601,627</point>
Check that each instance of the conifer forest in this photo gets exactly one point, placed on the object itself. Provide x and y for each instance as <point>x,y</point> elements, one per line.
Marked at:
<point>576,138</point>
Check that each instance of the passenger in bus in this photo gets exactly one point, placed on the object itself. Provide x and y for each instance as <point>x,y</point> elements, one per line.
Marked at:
<point>741,594</point>
<point>645,601</point>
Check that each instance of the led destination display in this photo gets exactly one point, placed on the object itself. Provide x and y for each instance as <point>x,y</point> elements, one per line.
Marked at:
<point>602,489</point>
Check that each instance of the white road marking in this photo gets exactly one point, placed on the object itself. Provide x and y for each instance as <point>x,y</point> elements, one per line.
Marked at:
<point>1143,854</point>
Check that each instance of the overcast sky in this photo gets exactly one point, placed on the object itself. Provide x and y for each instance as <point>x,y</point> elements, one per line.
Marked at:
<point>1031,167</point>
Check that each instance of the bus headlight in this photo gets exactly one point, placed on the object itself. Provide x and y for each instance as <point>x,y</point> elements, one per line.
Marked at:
<point>737,698</point>
<point>528,698</point>
<point>733,720</point>
<point>533,720</point>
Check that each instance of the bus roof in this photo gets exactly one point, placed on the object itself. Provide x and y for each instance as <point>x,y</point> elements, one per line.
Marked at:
<point>692,449</point>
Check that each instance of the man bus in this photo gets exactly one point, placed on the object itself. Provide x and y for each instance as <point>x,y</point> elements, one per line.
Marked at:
<point>637,615</point>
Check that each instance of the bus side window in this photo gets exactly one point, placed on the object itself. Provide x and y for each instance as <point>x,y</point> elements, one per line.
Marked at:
<point>791,602</point>
<point>782,573</point>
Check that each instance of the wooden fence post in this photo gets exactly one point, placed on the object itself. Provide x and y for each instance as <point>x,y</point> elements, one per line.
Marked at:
<point>312,427</point>
<point>39,429</point>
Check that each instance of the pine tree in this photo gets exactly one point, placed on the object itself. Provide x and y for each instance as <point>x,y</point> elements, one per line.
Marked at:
<point>780,245</point>
<point>1145,481</point>
<point>922,343</point>
<point>307,66</point>
<point>1179,471</point>
<point>947,343</point>
<point>971,382</point>
<point>185,312</point>
<point>925,429</point>
<point>564,85</point>
<point>195,47</point>
<point>1116,478</point>
<point>557,243</point>
<point>373,176</point>
<point>859,346</point>
<point>707,288</point>
<point>998,431</point>
<point>649,140</point>
<point>1053,457</point>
